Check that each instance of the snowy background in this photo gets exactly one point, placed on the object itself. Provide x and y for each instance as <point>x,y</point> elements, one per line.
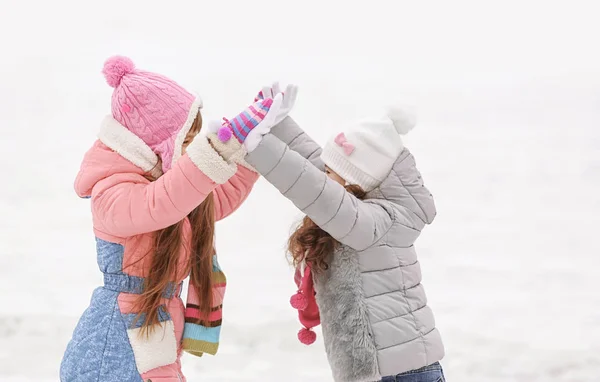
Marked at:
<point>508,95</point>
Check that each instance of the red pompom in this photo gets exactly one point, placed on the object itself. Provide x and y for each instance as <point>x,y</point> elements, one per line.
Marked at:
<point>307,336</point>
<point>299,301</point>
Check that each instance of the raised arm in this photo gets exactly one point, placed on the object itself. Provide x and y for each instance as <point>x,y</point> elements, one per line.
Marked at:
<point>349,220</point>
<point>127,204</point>
<point>290,133</point>
<point>230,196</point>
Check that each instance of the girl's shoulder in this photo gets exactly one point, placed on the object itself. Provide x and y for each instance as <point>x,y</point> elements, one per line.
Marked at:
<point>99,163</point>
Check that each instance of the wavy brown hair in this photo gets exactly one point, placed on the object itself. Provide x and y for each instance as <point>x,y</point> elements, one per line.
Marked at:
<point>309,242</point>
<point>165,253</point>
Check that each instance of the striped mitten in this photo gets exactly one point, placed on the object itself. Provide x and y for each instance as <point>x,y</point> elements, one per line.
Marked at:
<point>252,124</point>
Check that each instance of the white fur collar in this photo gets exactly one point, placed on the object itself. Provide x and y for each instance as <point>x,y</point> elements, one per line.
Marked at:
<point>129,146</point>
<point>196,106</point>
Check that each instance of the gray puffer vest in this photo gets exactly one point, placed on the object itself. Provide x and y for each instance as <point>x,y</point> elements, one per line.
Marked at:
<point>373,308</point>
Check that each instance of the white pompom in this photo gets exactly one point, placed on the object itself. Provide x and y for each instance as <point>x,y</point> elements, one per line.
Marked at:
<point>403,118</point>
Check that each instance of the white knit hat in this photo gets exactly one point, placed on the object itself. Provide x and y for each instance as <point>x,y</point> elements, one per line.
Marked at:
<point>364,154</point>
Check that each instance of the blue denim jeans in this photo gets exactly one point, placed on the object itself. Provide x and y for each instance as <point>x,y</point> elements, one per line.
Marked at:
<point>431,373</point>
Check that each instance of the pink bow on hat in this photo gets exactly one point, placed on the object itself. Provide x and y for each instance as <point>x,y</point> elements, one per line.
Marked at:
<point>341,141</point>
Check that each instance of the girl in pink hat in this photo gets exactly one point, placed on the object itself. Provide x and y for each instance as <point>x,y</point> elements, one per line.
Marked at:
<point>156,190</point>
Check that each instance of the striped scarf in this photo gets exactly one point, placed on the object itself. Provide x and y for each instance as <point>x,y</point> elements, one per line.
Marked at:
<point>201,332</point>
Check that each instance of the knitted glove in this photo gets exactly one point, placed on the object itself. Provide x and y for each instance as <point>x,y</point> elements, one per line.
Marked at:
<point>252,124</point>
<point>231,151</point>
<point>287,104</point>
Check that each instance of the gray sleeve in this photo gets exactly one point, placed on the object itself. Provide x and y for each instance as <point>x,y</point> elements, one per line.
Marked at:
<point>292,135</point>
<point>349,220</point>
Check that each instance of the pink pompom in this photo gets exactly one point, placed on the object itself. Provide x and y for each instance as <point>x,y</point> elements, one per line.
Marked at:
<point>299,301</point>
<point>224,134</point>
<point>115,68</point>
<point>307,336</point>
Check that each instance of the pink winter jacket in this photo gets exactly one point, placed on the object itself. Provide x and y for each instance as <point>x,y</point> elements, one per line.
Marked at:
<point>127,208</point>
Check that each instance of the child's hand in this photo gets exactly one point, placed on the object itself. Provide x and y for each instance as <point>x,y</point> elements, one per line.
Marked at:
<point>289,98</point>
<point>231,151</point>
<point>252,124</point>
<point>258,115</point>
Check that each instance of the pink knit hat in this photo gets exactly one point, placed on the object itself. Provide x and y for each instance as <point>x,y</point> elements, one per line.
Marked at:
<point>151,106</point>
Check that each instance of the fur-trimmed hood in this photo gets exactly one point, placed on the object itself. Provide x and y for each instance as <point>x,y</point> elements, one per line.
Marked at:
<point>150,107</point>
<point>99,163</point>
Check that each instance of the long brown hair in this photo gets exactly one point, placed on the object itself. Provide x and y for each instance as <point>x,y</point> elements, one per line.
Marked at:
<point>166,250</point>
<point>309,242</point>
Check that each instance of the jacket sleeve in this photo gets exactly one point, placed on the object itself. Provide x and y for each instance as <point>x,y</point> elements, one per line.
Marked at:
<point>290,133</point>
<point>349,220</point>
<point>126,204</point>
<point>229,196</point>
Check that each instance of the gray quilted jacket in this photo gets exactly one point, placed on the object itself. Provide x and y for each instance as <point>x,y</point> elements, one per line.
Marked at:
<point>373,308</point>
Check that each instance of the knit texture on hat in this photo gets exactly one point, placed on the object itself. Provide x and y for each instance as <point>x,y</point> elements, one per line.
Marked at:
<point>364,155</point>
<point>151,106</point>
